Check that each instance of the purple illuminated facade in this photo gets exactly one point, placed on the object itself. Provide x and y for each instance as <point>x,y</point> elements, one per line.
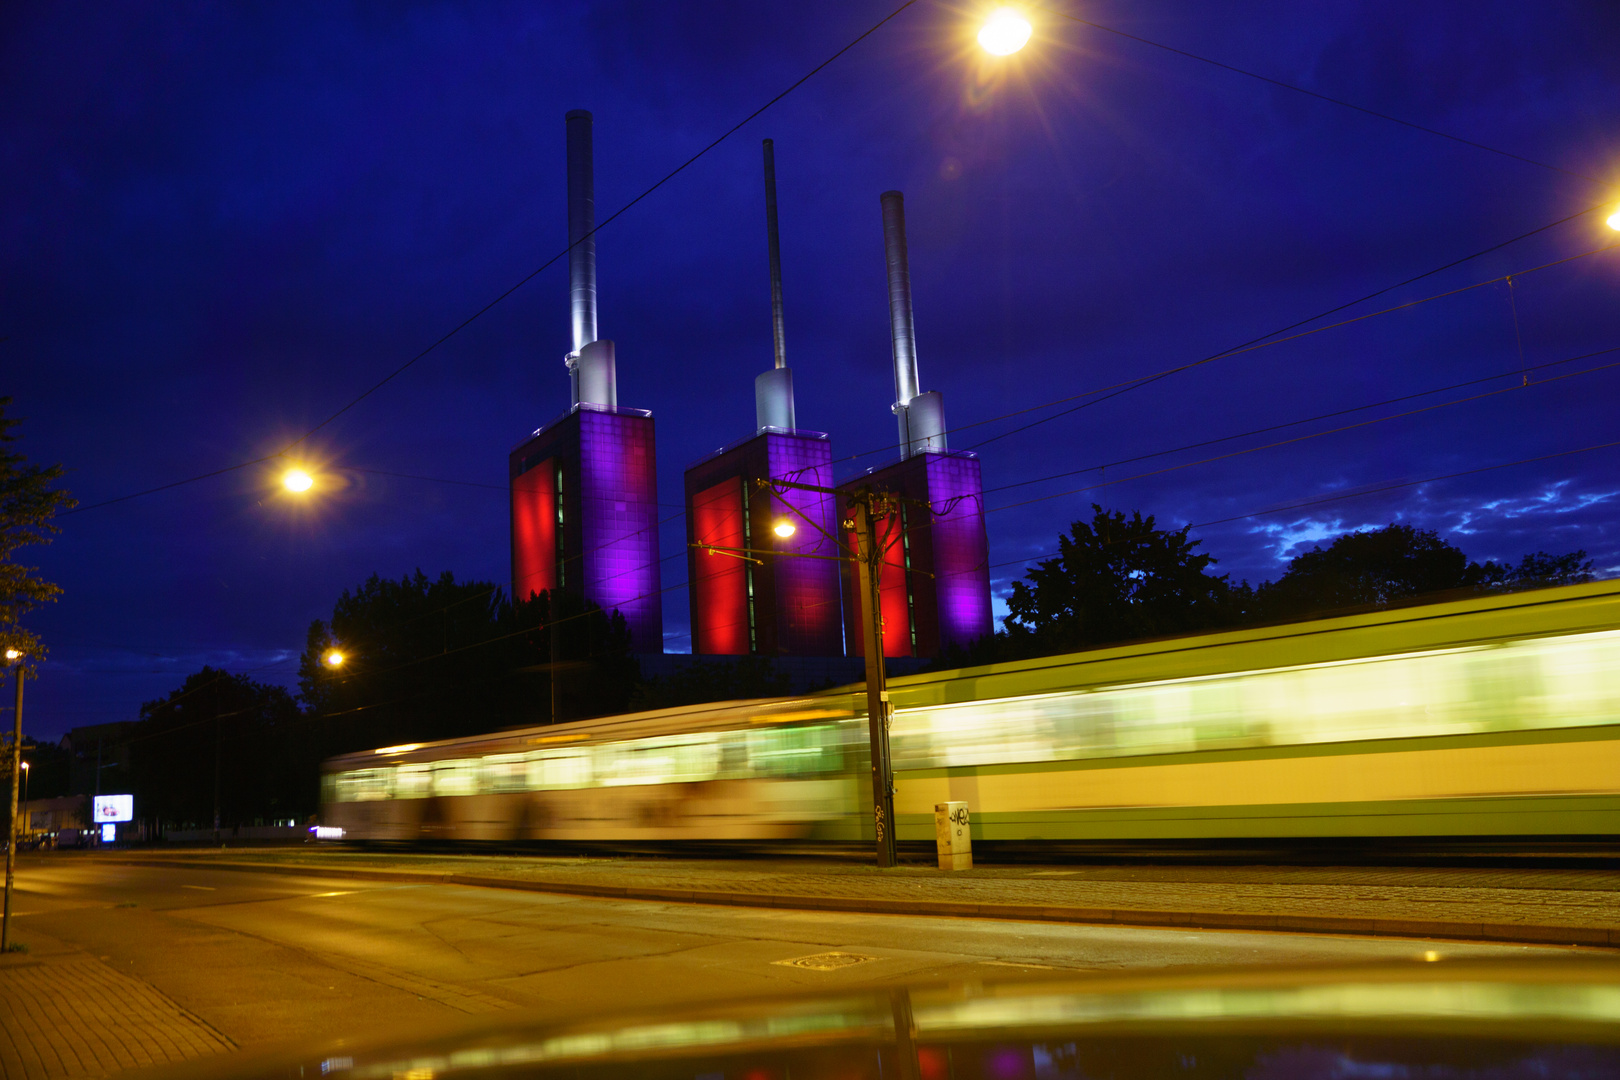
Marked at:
<point>786,604</point>
<point>585,515</point>
<point>935,584</point>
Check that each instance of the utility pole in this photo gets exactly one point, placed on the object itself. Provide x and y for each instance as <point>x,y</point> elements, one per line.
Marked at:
<point>216,760</point>
<point>11,821</point>
<point>865,505</point>
<point>869,570</point>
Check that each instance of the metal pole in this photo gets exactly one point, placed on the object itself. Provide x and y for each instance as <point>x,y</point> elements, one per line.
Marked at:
<point>869,565</point>
<point>216,760</point>
<point>774,247</point>
<point>11,835</point>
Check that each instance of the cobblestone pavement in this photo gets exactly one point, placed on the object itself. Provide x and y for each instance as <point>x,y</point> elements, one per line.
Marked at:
<point>73,1016</point>
<point>1575,906</point>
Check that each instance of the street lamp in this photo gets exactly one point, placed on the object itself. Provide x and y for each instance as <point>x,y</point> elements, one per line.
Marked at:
<point>297,481</point>
<point>1614,221</point>
<point>784,528</point>
<point>333,658</point>
<point>25,767</point>
<point>1004,33</point>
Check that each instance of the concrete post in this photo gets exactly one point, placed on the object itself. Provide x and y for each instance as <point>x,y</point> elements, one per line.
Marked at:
<point>953,836</point>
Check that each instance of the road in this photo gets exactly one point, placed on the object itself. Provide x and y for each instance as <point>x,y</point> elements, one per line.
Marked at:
<point>267,958</point>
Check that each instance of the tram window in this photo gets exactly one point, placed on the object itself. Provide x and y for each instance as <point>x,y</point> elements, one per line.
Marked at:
<point>504,773</point>
<point>458,776</point>
<point>558,770</point>
<point>413,781</point>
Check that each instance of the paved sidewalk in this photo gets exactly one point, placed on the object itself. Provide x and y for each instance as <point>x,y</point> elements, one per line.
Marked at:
<point>1575,907</point>
<point>70,1015</point>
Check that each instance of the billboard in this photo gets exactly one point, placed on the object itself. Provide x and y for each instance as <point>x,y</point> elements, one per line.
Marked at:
<point>114,808</point>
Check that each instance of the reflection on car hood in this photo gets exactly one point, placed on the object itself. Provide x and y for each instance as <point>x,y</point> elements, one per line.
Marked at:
<point>1430,1020</point>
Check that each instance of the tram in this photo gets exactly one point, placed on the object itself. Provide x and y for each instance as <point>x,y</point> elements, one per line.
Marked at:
<point>1494,716</point>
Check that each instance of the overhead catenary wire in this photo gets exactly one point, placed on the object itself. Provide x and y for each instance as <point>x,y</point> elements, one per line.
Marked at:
<point>1295,440</point>
<point>1319,96</point>
<point>485,309</point>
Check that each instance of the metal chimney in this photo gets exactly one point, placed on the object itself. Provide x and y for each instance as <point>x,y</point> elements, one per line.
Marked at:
<point>581,230</point>
<point>591,368</point>
<point>921,422</point>
<point>773,390</point>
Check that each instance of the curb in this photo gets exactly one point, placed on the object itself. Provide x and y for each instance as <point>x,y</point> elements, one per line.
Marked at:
<point>1517,933</point>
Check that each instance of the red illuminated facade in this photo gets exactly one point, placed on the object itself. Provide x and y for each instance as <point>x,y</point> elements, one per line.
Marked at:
<point>782,597</point>
<point>585,516</point>
<point>934,589</point>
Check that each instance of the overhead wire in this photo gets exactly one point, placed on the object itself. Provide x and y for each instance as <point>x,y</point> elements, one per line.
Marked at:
<point>1319,96</point>
<point>469,320</point>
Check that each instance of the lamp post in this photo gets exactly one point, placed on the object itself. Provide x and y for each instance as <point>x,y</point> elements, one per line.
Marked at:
<point>15,657</point>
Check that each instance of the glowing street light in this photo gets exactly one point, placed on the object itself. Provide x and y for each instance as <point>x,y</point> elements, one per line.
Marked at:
<point>1614,221</point>
<point>297,480</point>
<point>784,528</point>
<point>1004,33</point>
<point>333,658</point>
<point>13,655</point>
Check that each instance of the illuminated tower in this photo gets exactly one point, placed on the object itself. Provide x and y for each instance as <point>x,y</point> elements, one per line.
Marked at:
<point>935,583</point>
<point>753,591</point>
<point>584,487</point>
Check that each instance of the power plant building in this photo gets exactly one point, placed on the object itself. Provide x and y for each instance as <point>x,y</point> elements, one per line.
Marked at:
<point>754,592</point>
<point>584,491</point>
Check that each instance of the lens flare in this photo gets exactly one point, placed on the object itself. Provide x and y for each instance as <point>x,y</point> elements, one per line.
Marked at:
<point>1004,33</point>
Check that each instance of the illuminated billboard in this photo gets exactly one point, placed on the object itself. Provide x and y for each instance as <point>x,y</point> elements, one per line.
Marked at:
<point>114,808</point>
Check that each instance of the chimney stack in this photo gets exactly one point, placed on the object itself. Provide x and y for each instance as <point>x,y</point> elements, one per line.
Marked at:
<point>921,416</point>
<point>773,390</point>
<point>591,363</point>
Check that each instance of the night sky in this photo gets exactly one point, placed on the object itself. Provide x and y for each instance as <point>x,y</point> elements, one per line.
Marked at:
<point>220,223</point>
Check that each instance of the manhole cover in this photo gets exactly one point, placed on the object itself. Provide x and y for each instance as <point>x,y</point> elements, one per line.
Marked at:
<point>826,961</point>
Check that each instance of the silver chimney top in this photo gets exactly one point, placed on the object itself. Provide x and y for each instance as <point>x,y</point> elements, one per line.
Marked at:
<point>591,371</point>
<point>921,416</point>
<point>581,230</point>
<point>773,390</point>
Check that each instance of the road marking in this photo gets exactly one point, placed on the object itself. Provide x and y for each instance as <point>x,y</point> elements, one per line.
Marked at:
<point>199,888</point>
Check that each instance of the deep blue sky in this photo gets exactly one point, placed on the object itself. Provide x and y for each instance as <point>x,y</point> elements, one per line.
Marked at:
<point>220,222</point>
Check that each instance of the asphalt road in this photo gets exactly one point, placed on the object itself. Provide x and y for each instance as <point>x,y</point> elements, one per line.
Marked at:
<point>269,958</point>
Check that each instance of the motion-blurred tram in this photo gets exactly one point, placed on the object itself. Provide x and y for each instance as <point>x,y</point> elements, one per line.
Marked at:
<point>1494,716</point>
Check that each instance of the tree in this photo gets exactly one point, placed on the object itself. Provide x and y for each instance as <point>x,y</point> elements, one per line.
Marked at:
<point>427,659</point>
<point>28,503</point>
<point>1540,570</point>
<point>251,733</point>
<point>1380,567</point>
<point>699,681</point>
<point>1116,578</point>
<point>1369,568</point>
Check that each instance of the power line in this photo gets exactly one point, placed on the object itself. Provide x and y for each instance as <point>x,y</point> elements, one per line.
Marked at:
<point>1274,337</point>
<point>1320,97</point>
<point>1345,412</point>
<point>1289,442</point>
<point>469,320</point>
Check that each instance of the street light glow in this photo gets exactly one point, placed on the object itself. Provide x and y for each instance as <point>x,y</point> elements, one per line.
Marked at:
<point>1004,33</point>
<point>297,480</point>
<point>1614,221</point>
<point>784,528</point>
<point>334,659</point>
<point>13,654</point>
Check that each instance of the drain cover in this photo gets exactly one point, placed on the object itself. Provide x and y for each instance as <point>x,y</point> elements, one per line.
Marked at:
<point>826,961</point>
